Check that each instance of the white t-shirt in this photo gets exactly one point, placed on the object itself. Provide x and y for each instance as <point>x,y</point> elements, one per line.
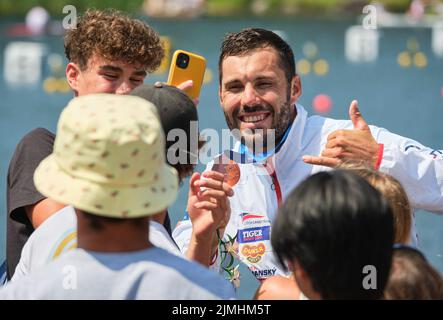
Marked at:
<point>58,234</point>
<point>147,274</point>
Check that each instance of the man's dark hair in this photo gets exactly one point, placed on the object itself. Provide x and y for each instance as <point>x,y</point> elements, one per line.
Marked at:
<point>247,40</point>
<point>334,224</point>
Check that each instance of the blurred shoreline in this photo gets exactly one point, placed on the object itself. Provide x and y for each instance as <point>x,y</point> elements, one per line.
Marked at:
<point>194,8</point>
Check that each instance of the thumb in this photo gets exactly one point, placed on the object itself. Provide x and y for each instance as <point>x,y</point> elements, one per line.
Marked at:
<point>194,190</point>
<point>356,117</point>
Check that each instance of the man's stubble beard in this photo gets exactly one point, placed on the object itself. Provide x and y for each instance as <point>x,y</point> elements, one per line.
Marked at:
<point>258,139</point>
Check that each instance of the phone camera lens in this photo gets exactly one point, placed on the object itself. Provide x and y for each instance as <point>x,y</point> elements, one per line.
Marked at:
<point>182,60</point>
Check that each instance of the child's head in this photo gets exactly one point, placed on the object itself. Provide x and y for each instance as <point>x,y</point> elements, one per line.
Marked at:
<point>331,230</point>
<point>412,277</point>
<point>393,191</point>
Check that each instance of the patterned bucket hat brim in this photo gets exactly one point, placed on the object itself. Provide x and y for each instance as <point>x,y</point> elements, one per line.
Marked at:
<point>108,158</point>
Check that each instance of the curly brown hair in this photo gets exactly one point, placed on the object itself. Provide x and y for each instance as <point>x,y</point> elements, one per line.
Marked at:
<point>114,36</point>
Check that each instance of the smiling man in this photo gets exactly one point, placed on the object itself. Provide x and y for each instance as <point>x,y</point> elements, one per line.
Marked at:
<point>108,52</point>
<point>248,77</point>
<point>259,92</point>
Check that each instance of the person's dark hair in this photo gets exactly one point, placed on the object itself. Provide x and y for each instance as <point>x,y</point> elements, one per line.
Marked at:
<point>114,36</point>
<point>334,224</point>
<point>98,223</point>
<point>412,277</point>
<point>247,40</point>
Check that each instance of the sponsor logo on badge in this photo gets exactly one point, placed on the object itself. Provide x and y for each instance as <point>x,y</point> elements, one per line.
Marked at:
<point>246,216</point>
<point>263,274</point>
<point>249,219</point>
<point>253,253</point>
<point>253,234</point>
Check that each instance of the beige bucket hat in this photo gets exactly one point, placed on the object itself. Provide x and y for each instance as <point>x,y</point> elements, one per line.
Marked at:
<point>108,158</point>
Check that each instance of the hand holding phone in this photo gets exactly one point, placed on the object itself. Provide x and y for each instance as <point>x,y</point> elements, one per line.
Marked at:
<point>187,66</point>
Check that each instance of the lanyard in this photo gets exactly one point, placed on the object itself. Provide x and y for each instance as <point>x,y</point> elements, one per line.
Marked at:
<point>261,158</point>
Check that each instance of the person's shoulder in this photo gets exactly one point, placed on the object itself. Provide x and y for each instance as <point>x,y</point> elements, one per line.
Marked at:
<point>174,262</point>
<point>56,226</point>
<point>194,272</point>
<point>327,124</point>
<point>277,282</point>
<point>279,288</point>
<point>16,290</point>
<point>40,284</point>
<point>29,152</point>
<point>159,236</point>
<point>317,128</point>
<point>39,135</point>
<point>37,141</point>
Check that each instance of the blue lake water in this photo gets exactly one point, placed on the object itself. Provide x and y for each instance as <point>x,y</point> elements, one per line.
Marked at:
<point>408,101</point>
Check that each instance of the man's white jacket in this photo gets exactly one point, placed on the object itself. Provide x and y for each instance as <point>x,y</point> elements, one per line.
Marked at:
<point>258,193</point>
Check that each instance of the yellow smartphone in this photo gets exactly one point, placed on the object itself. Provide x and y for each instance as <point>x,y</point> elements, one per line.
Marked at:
<point>187,66</point>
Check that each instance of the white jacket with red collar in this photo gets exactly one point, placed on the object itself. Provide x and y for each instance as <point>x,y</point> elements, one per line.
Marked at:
<point>258,193</point>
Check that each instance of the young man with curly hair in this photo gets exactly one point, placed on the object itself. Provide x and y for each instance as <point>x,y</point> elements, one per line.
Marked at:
<point>108,52</point>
